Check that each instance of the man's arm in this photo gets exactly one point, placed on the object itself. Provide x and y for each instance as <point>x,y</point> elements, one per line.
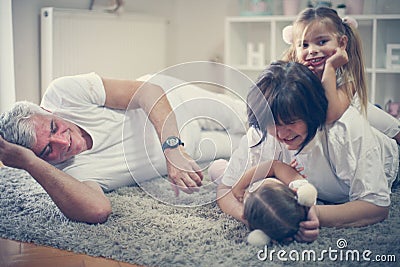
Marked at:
<point>183,171</point>
<point>79,201</point>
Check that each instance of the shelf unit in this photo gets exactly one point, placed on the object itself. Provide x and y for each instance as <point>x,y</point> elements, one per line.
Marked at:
<point>376,32</point>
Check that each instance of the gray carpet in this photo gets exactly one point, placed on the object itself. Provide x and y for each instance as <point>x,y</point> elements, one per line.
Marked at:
<point>144,231</point>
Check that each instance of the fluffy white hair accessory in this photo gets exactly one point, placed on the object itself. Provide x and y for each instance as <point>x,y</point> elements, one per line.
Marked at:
<point>351,21</point>
<point>258,238</point>
<point>307,195</point>
<point>306,192</point>
<point>287,34</point>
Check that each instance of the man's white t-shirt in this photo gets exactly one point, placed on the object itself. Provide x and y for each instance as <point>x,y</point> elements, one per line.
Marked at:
<point>126,148</point>
<point>80,99</point>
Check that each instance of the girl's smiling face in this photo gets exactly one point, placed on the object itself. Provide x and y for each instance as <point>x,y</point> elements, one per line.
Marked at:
<point>314,45</point>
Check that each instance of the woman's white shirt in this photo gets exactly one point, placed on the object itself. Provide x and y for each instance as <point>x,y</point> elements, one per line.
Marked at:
<point>348,160</point>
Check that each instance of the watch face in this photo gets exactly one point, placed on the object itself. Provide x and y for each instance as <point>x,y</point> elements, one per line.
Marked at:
<point>172,141</point>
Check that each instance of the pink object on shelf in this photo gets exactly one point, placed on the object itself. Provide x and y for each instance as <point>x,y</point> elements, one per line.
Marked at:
<point>354,6</point>
<point>291,7</point>
<point>393,108</point>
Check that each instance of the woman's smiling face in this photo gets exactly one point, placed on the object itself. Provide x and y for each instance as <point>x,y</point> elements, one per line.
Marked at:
<point>292,135</point>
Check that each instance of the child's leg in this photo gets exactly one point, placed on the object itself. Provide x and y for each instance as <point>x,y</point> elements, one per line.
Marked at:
<point>217,169</point>
<point>396,182</point>
<point>384,122</point>
<point>224,112</point>
<point>214,111</point>
<point>397,138</point>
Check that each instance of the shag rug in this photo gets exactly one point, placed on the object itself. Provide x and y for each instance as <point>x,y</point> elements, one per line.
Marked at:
<point>145,231</point>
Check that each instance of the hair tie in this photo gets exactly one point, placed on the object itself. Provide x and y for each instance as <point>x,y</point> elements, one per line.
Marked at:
<point>294,185</point>
<point>258,238</point>
<point>287,34</point>
<point>306,192</point>
<point>350,21</point>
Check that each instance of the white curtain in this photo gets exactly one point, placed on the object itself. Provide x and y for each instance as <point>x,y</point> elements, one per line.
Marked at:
<point>7,80</point>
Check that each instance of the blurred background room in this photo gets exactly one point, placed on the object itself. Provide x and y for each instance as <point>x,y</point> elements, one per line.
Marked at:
<point>139,37</point>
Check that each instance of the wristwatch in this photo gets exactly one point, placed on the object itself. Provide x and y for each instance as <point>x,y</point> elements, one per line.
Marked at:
<point>172,142</point>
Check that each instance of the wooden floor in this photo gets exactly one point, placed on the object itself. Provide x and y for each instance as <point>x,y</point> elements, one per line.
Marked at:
<point>19,254</point>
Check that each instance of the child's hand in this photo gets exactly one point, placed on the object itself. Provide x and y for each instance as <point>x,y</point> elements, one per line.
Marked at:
<point>309,230</point>
<point>238,193</point>
<point>295,165</point>
<point>338,58</point>
<point>309,66</point>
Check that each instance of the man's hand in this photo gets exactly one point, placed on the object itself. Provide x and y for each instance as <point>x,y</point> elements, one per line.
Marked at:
<point>309,230</point>
<point>13,155</point>
<point>183,171</point>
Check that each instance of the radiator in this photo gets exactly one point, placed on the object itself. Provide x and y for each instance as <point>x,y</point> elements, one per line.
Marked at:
<point>124,46</point>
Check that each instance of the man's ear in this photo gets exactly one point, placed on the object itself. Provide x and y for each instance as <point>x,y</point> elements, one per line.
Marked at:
<point>343,42</point>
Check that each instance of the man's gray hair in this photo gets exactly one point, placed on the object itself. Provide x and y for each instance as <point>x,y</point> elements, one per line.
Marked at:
<point>16,125</point>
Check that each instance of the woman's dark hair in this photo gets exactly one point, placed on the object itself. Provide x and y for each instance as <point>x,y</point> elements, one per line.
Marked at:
<point>286,92</point>
<point>273,208</point>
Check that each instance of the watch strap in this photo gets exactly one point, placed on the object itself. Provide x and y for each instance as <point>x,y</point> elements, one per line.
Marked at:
<point>176,141</point>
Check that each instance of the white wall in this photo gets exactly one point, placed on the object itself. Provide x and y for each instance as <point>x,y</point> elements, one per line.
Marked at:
<point>7,81</point>
<point>26,23</point>
<point>195,32</point>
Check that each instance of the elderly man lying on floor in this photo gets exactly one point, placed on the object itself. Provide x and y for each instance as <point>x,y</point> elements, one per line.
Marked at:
<point>93,134</point>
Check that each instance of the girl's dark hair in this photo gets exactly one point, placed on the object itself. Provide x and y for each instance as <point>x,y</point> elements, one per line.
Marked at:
<point>286,92</point>
<point>273,208</point>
